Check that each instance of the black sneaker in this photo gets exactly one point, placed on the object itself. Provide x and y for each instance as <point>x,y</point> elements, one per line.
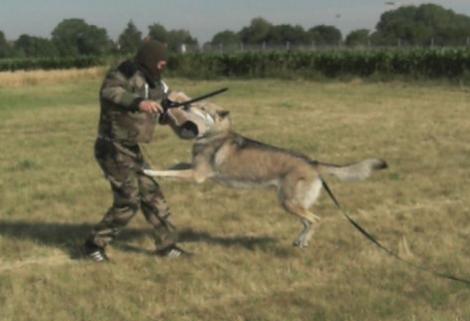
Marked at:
<point>95,252</point>
<point>172,251</point>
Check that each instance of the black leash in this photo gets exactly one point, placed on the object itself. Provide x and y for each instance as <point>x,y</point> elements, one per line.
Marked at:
<point>387,250</point>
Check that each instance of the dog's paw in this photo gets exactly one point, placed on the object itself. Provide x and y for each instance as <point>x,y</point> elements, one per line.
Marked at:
<point>149,172</point>
<point>300,243</point>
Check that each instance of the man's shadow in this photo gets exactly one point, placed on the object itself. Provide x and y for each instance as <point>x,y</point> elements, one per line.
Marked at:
<point>70,237</point>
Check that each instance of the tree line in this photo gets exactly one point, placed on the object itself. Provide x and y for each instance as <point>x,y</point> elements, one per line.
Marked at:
<point>75,37</point>
<point>423,25</point>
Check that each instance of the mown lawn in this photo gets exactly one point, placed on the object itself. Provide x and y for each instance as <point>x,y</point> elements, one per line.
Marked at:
<point>245,268</point>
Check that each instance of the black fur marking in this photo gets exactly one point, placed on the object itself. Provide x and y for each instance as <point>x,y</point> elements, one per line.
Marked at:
<point>246,143</point>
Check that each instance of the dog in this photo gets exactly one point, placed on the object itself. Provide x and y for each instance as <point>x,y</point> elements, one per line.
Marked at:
<point>229,158</point>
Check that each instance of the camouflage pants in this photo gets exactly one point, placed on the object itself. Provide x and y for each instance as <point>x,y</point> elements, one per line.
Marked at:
<point>132,191</point>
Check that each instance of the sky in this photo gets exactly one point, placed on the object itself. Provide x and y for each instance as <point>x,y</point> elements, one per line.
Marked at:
<point>203,18</point>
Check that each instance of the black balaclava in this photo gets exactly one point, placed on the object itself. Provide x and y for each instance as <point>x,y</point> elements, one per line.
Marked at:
<point>149,54</point>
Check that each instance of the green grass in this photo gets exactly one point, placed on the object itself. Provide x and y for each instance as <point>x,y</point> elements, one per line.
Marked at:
<point>52,192</point>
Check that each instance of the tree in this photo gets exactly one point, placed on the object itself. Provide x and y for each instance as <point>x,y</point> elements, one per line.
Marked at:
<point>324,35</point>
<point>173,38</point>
<point>257,32</point>
<point>358,37</point>
<point>74,37</point>
<point>285,33</point>
<point>226,38</point>
<point>5,48</point>
<point>176,38</point>
<point>130,39</point>
<point>29,46</point>
<point>94,41</point>
<point>420,25</point>
<point>158,32</point>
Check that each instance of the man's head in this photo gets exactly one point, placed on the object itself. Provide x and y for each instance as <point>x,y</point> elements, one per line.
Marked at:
<point>153,56</point>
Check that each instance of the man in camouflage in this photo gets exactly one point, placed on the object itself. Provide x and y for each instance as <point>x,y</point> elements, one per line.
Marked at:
<point>130,109</point>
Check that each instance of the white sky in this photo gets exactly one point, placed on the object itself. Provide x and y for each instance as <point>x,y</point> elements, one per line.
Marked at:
<point>203,18</point>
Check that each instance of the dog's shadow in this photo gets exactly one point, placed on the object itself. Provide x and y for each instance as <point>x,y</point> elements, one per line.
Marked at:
<point>70,237</point>
<point>181,166</point>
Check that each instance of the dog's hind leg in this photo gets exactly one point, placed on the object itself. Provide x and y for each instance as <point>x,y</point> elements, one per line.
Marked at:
<point>297,196</point>
<point>308,219</point>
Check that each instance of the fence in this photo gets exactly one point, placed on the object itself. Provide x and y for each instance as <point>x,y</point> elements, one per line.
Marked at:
<point>400,44</point>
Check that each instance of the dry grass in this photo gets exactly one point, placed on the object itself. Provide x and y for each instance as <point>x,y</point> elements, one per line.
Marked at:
<point>40,77</point>
<point>51,193</point>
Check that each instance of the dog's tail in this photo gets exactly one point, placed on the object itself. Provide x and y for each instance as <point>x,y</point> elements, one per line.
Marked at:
<point>351,172</point>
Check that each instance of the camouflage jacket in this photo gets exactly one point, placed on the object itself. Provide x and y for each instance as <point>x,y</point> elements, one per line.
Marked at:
<point>121,92</point>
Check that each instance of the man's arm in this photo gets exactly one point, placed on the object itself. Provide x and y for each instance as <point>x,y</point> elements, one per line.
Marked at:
<point>114,90</point>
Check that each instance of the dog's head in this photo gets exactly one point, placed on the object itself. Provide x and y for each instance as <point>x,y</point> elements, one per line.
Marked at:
<point>198,119</point>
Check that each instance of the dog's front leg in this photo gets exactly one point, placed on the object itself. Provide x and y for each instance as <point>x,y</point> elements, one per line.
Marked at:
<point>190,174</point>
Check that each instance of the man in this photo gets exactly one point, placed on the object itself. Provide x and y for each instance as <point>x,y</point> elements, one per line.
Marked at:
<point>130,109</point>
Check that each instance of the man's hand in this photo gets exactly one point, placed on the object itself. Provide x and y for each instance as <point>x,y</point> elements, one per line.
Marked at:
<point>151,107</point>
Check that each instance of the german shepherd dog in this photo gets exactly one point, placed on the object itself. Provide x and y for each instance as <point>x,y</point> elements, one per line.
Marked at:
<point>231,159</point>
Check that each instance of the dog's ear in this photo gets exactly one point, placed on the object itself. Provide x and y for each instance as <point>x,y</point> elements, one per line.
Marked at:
<point>223,113</point>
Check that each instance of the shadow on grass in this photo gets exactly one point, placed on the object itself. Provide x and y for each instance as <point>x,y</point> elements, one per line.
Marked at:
<point>248,242</point>
<point>70,237</point>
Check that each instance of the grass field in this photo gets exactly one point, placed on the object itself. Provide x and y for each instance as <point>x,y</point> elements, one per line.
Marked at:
<point>245,268</point>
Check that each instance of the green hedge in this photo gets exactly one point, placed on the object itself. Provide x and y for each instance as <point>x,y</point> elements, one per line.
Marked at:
<point>429,63</point>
